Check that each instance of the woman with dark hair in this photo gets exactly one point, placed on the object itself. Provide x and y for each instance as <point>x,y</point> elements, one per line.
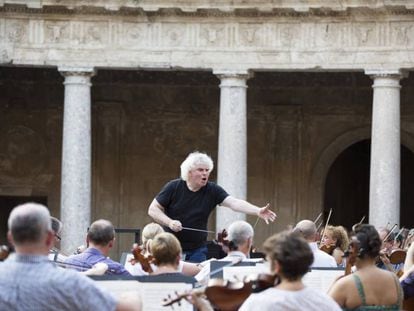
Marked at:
<point>369,288</point>
<point>290,258</point>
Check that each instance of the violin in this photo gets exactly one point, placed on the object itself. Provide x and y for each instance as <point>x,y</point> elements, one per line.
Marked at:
<point>229,296</point>
<point>397,256</point>
<point>328,248</point>
<point>145,261</point>
<point>351,255</point>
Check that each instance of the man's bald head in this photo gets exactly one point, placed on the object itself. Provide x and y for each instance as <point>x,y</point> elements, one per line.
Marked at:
<point>307,228</point>
<point>29,223</point>
<point>101,232</point>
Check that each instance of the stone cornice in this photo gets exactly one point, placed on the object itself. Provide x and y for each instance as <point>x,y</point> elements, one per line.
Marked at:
<point>192,9</point>
<point>352,39</point>
<point>223,5</point>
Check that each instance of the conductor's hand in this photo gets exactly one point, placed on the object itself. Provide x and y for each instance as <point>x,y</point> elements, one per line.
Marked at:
<point>175,225</point>
<point>266,214</point>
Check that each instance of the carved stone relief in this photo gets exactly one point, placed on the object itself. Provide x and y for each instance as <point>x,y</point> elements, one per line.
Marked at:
<point>135,35</point>
<point>250,35</point>
<point>212,35</point>
<point>16,30</point>
<point>402,34</point>
<point>365,34</point>
<point>173,35</point>
<point>57,31</point>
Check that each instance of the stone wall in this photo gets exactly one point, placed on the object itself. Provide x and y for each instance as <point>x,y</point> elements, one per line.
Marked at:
<point>145,123</point>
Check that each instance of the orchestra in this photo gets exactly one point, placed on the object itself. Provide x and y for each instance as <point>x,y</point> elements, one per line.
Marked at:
<point>377,265</point>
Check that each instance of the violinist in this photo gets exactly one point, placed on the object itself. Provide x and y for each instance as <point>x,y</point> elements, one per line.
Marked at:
<point>100,239</point>
<point>239,242</point>
<point>55,254</point>
<point>335,243</point>
<point>290,258</point>
<point>308,230</point>
<point>369,288</point>
<point>389,244</point>
<point>149,232</point>
<point>166,252</point>
<point>30,281</point>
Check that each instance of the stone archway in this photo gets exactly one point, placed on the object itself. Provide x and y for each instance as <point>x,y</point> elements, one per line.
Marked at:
<point>329,155</point>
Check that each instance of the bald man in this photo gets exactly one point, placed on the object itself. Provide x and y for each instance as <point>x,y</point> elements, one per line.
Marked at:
<point>321,259</point>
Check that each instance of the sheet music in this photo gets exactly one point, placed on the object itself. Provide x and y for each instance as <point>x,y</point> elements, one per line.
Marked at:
<point>322,279</point>
<point>239,273</point>
<point>154,294</point>
<point>151,294</point>
<point>119,287</point>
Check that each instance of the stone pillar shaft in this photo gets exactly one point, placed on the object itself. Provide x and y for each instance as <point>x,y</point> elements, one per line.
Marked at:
<point>385,172</point>
<point>232,147</point>
<point>76,157</point>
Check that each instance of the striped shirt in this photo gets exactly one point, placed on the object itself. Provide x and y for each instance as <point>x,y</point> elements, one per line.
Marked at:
<point>32,282</point>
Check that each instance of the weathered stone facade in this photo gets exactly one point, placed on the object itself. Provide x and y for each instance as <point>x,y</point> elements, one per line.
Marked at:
<point>161,73</point>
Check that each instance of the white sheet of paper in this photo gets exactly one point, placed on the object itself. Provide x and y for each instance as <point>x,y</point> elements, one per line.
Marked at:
<point>152,295</point>
<point>239,273</point>
<point>321,279</point>
<point>155,293</point>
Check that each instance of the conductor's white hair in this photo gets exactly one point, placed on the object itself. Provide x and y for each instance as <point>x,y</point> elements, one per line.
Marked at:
<point>194,159</point>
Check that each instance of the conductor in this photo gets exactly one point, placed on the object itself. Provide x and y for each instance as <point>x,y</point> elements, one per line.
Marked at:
<point>187,202</point>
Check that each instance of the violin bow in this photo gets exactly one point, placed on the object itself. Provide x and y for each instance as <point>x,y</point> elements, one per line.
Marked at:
<point>317,218</point>
<point>326,225</point>
<point>389,233</point>
<point>170,301</point>
<point>83,267</point>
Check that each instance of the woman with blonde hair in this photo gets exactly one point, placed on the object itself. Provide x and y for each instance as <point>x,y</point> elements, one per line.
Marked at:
<point>335,238</point>
<point>149,233</point>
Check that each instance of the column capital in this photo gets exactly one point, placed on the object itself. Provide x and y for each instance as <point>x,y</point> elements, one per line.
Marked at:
<point>233,78</point>
<point>76,71</point>
<point>387,73</point>
<point>77,75</point>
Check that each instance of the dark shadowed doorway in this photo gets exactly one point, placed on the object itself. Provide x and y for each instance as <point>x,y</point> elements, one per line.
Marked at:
<point>6,205</point>
<point>347,186</point>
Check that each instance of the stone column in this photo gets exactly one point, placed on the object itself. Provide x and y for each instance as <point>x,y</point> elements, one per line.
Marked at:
<point>384,190</point>
<point>76,157</point>
<point>232,147</point>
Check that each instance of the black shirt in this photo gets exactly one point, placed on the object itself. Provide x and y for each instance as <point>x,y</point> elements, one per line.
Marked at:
<point>191,208</point>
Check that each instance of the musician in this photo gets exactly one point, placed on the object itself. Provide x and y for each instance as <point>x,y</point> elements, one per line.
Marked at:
<point>308,230</point>
<point>389,243</point>
<point>240,240</point>
<point>100,239</point>
<point>166,251</point>
<point>188,202</point>
<point>369,288</point>
<point>29,281</point>
<point>55,254</point>
<point>336,237</point>
<point>149,232</point>
<point>290,258</point>
<point>407,279</point>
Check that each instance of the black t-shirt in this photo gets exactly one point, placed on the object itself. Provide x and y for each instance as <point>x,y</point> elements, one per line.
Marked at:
<point>192,209</point>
